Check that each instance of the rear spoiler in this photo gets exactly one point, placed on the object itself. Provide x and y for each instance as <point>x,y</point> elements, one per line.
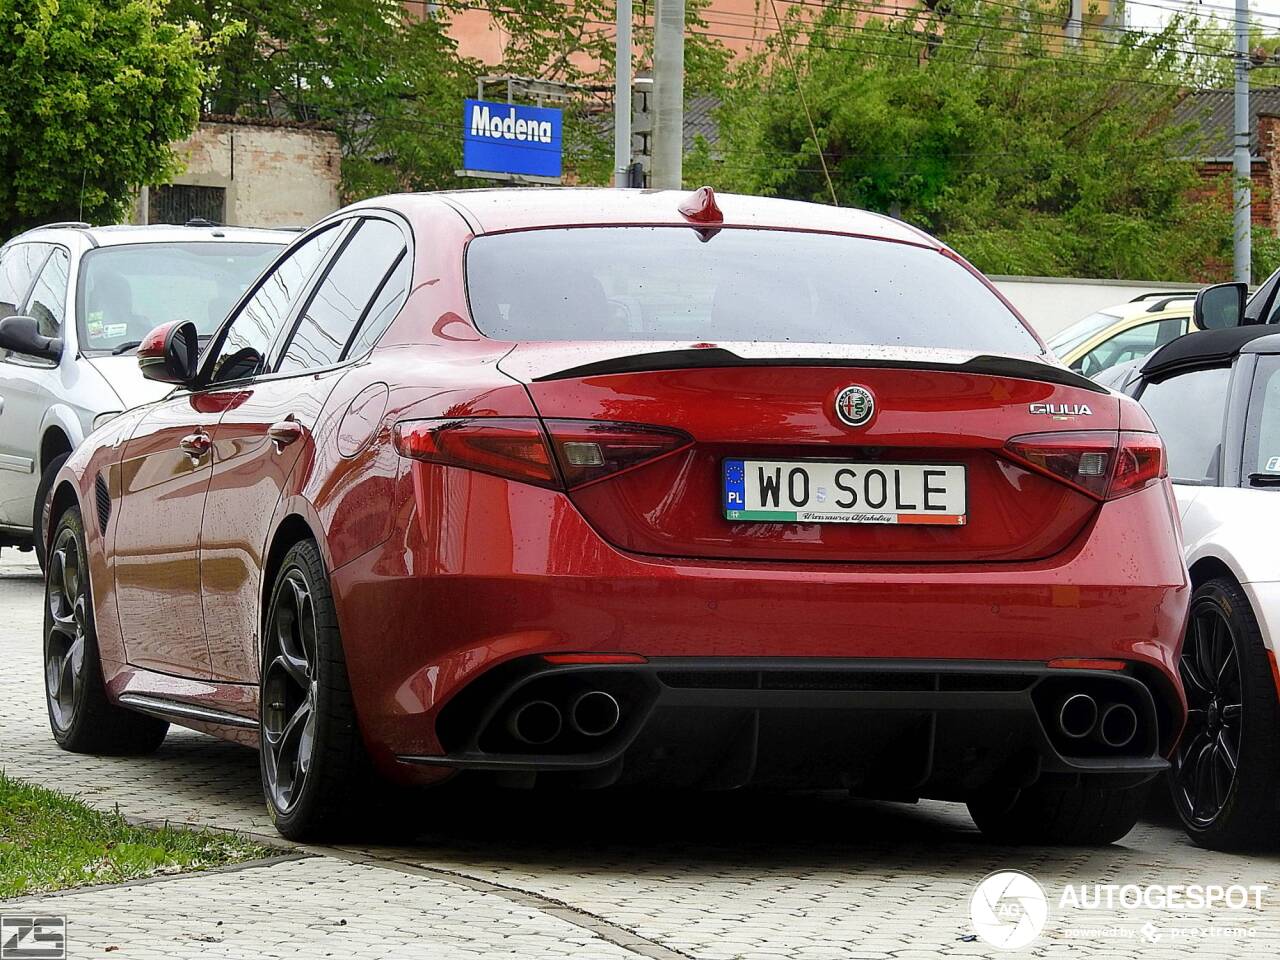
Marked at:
<point>705,357</point>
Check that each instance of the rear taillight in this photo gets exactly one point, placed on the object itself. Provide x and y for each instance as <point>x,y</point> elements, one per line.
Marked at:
<point>590,450</point>
<point>1103,464</point>
<point>507,447</point>
<point>521,448</point>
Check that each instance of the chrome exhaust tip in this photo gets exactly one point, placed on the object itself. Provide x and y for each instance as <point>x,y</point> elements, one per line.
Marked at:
<point>594,713</point>
<point>1118,726</point>
<point>1077,716</point>
<point>535,723</point>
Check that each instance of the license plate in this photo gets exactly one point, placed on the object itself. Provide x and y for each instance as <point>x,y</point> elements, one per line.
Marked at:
<point>820,491</point>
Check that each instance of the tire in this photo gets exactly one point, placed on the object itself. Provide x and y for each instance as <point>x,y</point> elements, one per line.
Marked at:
<point>1221,808</point>
<point>1080,815</point>
<point>307,720</point>
<point>40,517</point>
<point>82,718</point>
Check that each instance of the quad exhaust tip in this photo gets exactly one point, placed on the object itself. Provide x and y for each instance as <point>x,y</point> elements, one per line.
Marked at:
<point>594,713</point>
<point>1118,725</point>
<point>535,723</point>
<point>1078,716</point>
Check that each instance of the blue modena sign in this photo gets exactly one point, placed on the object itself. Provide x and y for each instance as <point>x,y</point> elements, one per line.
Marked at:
<point>508,138</point>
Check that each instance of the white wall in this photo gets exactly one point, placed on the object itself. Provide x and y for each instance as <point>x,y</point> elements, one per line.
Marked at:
<point>1051,304</point>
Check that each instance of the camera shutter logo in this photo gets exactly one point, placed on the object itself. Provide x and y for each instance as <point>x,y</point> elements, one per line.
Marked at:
<point>1008,909</point>
<point>33,938</point>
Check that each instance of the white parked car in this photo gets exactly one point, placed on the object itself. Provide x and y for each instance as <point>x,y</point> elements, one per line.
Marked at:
<point>1215,397</point>
<point>75,301</point>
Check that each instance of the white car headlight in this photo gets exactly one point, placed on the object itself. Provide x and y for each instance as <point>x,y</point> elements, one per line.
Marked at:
<point>104,418</point>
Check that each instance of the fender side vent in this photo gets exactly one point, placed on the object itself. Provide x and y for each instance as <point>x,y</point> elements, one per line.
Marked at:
<point>102,498</point>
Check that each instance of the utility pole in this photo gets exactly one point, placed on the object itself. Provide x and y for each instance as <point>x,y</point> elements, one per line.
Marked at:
<point>1243,222</point>
<point>622,97</point>
<point>666,171</point>
<point>1075,22</point>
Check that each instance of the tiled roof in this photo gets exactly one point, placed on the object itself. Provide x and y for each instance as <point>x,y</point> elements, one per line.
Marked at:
<point>699,121</point>
<point>1213,112</point>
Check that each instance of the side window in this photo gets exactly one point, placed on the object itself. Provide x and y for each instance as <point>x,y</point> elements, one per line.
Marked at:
<point>385,306</point>
<point>48,300</point>
<point>18,265</point>
<point>343,297</point>
<point>243,350</point>
<point>1131,344</point>
<point>1188,410</point>
<point>1262,425</point>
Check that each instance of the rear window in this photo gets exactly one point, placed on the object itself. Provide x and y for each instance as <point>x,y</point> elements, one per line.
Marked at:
<point>667,283</point>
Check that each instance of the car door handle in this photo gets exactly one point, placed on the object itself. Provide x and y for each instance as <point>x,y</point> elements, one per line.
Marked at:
<point>284,432</point>
<point>196,445</point>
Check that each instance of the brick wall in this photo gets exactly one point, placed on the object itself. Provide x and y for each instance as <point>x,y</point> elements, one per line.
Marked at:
<point>273,175</point>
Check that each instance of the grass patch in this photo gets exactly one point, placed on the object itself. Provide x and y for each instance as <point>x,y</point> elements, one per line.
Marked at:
<point>50,841</point>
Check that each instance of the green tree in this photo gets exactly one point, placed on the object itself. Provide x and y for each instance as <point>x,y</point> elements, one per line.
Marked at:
<point>92,92</point>
<point>981,126</point>
<point>388,82</point>
<point>387,77</point>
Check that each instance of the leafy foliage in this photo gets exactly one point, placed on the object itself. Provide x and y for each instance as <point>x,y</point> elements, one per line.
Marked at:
<point>979,126</point>
<point>390,80</point>
<point>92,92</point>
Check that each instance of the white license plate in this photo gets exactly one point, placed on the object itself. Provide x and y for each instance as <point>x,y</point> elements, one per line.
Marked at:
<point>820,491</point>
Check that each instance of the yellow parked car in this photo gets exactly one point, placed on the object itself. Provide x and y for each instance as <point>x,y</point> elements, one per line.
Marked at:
<point>1124,332</point>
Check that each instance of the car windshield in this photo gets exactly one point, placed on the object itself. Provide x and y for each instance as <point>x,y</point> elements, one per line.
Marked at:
<point>676,283</point>
<point>1067,340</point>
<point>128,290</point>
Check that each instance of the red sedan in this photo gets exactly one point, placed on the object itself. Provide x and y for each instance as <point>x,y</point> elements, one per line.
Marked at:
<point>599,487</point>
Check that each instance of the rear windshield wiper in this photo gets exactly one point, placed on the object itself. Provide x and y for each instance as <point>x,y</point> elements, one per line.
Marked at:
<point>126,347</point>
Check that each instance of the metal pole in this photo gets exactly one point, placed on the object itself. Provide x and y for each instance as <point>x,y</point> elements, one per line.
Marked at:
<point>622,96</point>
<point>1075,20</point>
<point>668,95</point>
<point>1242,226</point>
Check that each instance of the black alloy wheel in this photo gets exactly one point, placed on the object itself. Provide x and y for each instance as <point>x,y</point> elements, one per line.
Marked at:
<point>289,690</point>
<point>65,639</point>
<point>81,716</point>
<point>1225,771</point>
<point>1207,758</point>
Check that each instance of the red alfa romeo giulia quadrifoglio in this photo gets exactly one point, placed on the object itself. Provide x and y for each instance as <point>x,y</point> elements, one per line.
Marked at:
<point>601,487</point>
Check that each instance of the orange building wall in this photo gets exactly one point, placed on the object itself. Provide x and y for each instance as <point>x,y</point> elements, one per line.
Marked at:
<point>740,25</point>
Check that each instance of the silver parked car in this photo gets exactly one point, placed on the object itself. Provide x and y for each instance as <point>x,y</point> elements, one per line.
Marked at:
<point>75,301</point>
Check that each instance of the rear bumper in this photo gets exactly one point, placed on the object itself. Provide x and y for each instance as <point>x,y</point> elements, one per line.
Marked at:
<point>892,728</point>
<point>491,572</point>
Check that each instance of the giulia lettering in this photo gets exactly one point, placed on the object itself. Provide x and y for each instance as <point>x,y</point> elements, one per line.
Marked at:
<point>1062,409</point>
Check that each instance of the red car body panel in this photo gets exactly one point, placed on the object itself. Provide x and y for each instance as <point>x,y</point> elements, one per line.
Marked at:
<point>440,574</point>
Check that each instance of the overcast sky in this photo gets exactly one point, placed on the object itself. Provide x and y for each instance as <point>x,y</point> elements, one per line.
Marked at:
<point>1152,13</point>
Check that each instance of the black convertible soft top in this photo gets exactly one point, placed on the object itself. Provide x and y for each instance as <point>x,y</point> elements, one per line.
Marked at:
<point>1205,346</point>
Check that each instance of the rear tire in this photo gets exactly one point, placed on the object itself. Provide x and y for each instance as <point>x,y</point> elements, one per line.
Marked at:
<point>1080,815</point>
<point>82,718</point>
<point>41,518</point>
<point>317,778</point>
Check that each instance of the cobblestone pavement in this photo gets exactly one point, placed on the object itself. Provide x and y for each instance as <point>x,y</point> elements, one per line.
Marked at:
<point>586,875</point>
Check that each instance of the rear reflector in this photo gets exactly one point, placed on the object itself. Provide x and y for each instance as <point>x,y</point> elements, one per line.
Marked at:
<point>593,658</point>
<point>590,450</point>
<point>1102,463</point>
<point>514,448</point>
<point>1082,663</point>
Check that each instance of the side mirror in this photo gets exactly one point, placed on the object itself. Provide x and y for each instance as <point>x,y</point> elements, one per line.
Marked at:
<point>22,335</point>
<point>1220,306</point>
<point>170,353</point>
